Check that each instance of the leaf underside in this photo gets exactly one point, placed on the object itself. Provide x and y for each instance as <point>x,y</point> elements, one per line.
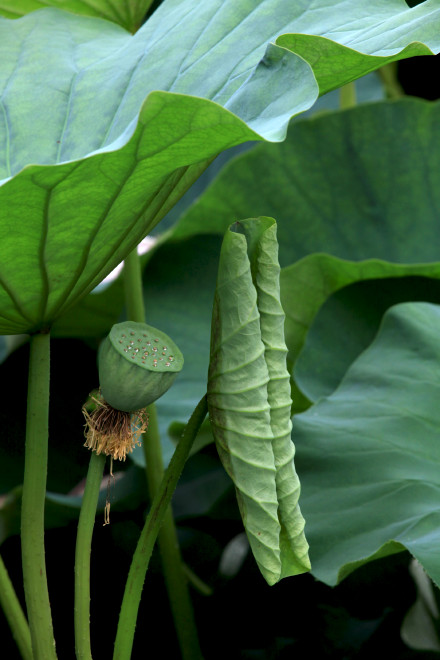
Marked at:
<point>127,13</point>
<point>86,175</point>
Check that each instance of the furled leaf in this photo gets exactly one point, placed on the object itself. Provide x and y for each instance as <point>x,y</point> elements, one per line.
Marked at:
<point>369,454</point>
<point>249,397</point>
<point>127,13</point>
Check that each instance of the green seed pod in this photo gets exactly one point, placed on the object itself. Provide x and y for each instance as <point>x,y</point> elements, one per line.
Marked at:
<point>137,364</point>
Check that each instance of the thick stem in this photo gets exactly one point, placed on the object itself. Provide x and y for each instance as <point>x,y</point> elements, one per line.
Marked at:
<point>388,75</point>
<point>34,493</point>
<point>347,96</point>
<point>134,299</point>
<point>82,556</point>
<point>144,549</point>
<point>172,567</point>
<point>14,614</point>
<point>175,578</point>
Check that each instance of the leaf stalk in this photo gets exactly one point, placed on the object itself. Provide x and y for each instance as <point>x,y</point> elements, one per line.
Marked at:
<point>33,501</point>
<point>172,567</point>
<point>14,614</point>
<point>82,556</point>
<point>144,549</point>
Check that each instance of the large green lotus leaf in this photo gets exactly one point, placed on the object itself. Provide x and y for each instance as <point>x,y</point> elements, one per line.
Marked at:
<point>349,183</point>
<point>249,397</point>
<point>342,40</point>
<point>307,284</point>
<point>353,38</point>
<point>361,185</point>
<point>347,323</point>
<point>128,13</point>
<point>94,315</point>
<point>86,177</point>
<point>112,168</point>
<point>369,455</point>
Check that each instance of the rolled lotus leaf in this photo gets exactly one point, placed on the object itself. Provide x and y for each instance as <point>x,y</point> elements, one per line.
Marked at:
<point>137,365</point>
<point>249,397</point>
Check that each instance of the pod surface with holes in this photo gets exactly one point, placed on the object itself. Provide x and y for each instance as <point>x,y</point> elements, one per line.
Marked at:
<point>137,365</point>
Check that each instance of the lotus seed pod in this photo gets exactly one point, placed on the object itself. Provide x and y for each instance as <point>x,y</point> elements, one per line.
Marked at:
<point>137,364</point>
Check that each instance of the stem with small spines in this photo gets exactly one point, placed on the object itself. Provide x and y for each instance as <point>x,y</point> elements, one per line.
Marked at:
<point>14,614</point>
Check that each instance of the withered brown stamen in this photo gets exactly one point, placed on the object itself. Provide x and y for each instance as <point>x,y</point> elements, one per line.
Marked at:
<point>113,432</point>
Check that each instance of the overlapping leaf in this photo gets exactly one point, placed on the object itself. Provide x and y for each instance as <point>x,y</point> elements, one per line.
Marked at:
<point>128,13</point>
<point>361,185</point>
<point>102,168</point>
<point>369,454</point>
<point>349,183</point>
<point>180,279</point>
<point>249,397</point>
<point>347,323</point>
<point>112,166</point>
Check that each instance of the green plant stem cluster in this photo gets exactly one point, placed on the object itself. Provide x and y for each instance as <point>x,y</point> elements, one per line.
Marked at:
<point>144,549</point>
<point>175,578</point>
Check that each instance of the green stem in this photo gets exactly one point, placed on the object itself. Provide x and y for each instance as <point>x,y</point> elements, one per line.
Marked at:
<point>174,575</point>
<point>144,549</point>
<point>14,614</point>
<point>388,76</point>
<point>34,493</point>
<point>347,96</point>
<point>197,582</point>
<point>82,556</point>
<point>173,571</point>
<point>134,298</point>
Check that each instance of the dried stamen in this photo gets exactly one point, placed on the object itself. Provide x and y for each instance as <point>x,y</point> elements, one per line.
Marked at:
<point>113,432</point>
